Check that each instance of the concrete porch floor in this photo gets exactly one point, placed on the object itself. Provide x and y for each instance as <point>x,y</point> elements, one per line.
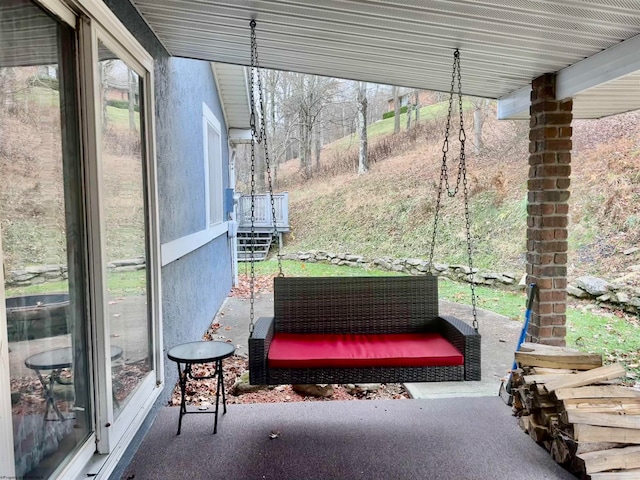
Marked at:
<point>448,431</point>
<point>433,439</point>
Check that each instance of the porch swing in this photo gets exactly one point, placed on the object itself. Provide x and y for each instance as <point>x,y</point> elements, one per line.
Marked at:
<point>359,329</point>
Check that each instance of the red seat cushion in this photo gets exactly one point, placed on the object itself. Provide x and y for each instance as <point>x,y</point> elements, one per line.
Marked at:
<point>304,350</point>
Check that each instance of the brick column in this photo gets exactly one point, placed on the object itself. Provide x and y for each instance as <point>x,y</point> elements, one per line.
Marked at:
<point>547,221</point>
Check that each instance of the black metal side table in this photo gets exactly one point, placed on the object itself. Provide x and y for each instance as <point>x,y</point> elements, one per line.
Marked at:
<point>55,361</point>
<point>201,352</point>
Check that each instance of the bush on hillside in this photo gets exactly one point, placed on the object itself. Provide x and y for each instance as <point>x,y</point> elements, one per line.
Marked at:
<point>392,113</point>
<point>124,104</point>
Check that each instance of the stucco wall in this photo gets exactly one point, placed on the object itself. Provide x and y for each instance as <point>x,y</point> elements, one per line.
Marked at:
<point>188,84</point>
<point>194,286</point>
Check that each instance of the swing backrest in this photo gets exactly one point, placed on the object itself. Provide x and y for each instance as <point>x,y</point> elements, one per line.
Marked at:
<point>358,305</point>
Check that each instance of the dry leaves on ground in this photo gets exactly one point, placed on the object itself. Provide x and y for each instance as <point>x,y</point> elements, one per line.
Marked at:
<point>204,391</point>
<point>263,284</point>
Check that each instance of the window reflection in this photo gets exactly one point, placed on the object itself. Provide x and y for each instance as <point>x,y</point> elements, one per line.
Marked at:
<point>42,239</point>
<point>123,170</point>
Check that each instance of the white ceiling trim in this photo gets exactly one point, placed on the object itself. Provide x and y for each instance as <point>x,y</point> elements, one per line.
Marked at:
<point>504,44</point>
<point>615,62</point>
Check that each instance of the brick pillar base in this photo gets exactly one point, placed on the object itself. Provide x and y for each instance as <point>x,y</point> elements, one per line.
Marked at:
<point>547,221</point>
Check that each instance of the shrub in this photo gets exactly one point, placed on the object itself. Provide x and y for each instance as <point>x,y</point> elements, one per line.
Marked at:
<point>392,113</point>
<point>124,104</point>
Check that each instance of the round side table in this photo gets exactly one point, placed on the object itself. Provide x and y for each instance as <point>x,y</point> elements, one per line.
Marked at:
<point>189,354</point>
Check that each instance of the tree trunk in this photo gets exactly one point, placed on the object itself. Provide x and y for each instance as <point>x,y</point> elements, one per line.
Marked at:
<point>104,89</point>
<point>416,102</point>
<point>396,109</point>
<point>409,113</point>
<point>132,99</point>
<point>478,121</point>
<point>363,161</point>
<point>317,141</point>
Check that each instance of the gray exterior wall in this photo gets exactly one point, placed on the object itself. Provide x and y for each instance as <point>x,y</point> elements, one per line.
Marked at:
<point>194,286</point>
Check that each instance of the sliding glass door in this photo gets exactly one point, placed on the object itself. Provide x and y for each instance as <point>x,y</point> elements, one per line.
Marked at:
<point>42,223</point>
<point>79,296</point>
<point>124,191</point>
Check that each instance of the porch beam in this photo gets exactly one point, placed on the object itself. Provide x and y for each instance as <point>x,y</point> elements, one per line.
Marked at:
<point>239,135</point>
<point>548,209</point>
<point>610,64</point>
<point>515,105</point>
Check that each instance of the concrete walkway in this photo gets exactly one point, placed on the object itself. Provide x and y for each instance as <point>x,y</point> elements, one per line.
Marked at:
<point>499,337</point>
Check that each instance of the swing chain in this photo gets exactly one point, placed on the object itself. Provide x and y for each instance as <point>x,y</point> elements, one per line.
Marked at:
<point>255,138</point>
<point>258,136</point>
<point>461,178</point>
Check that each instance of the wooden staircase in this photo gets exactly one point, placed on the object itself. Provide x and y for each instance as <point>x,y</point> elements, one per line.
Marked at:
<point>261,243</point>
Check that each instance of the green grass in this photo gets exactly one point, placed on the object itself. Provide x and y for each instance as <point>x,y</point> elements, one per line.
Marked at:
<point>120,117</point>
<point>509,304</point>
<point>616,338</point>
<point>304,269</point>
<point>386,126</point>
<point>120,284</point>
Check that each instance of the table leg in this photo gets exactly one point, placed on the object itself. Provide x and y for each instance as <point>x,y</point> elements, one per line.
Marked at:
<point>49,400</point>
<point>219,385</point>
<point>182,378</point>
<point>221,377</point>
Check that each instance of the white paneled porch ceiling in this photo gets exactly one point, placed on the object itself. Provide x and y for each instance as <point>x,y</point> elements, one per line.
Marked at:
<point>504,44</point>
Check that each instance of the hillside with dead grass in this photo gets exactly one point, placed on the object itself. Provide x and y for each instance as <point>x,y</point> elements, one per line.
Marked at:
<point>389,211</point>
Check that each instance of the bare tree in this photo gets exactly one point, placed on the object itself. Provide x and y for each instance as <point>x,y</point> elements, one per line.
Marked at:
<point>396,109</point>
<point>479,114</point>
<point>317,135</point>
<point>363,161</point>
<point>133,88</point>
<point>416,104</point>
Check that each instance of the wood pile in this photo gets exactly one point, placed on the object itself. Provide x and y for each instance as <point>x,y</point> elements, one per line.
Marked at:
<point>575,407</point>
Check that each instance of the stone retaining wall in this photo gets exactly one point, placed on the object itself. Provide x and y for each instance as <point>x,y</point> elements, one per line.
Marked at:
<point>623,293</point>
<point>39,274</point>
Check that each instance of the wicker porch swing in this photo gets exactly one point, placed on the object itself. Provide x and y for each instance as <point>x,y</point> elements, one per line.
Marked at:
<point>359,329</point>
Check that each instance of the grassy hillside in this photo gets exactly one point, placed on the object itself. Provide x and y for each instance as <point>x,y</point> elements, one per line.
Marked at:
<point>389,211</point>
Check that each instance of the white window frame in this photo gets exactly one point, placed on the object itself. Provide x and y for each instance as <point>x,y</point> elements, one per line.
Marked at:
<point>209,120</point>
<point>99,455</point>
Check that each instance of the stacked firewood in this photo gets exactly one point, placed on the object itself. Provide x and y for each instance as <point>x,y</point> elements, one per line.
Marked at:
<point>576,408</point>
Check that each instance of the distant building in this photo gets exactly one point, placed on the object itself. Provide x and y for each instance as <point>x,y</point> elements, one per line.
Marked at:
<point>407,97</point>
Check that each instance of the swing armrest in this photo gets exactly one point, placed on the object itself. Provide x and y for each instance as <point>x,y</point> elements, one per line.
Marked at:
<point>466,340</point>
<point>259,344</point>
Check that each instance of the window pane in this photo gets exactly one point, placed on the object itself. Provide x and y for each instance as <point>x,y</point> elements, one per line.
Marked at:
<point>215,175</point>
<point>43,238</point>
<point>123,170</point>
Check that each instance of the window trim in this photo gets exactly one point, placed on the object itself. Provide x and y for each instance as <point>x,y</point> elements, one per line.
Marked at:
<point>210,120</point>
<point>7,460</point>
<point>112,432</point>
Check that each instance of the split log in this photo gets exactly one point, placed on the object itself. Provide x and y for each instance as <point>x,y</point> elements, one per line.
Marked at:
<point>592,433</point>
<point>559,359</point>
<point>586,378</point>
<point>601,419</point>
<point>601,391</point>
<point>552,371</point>
<point>524,422</point>
<point>614,459</point>
<point>543,379</point>
<point>538,432</point>
<point>560,451</point>
<point>621,406</point>
<point>620,475</point>
<point>537,347</point>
